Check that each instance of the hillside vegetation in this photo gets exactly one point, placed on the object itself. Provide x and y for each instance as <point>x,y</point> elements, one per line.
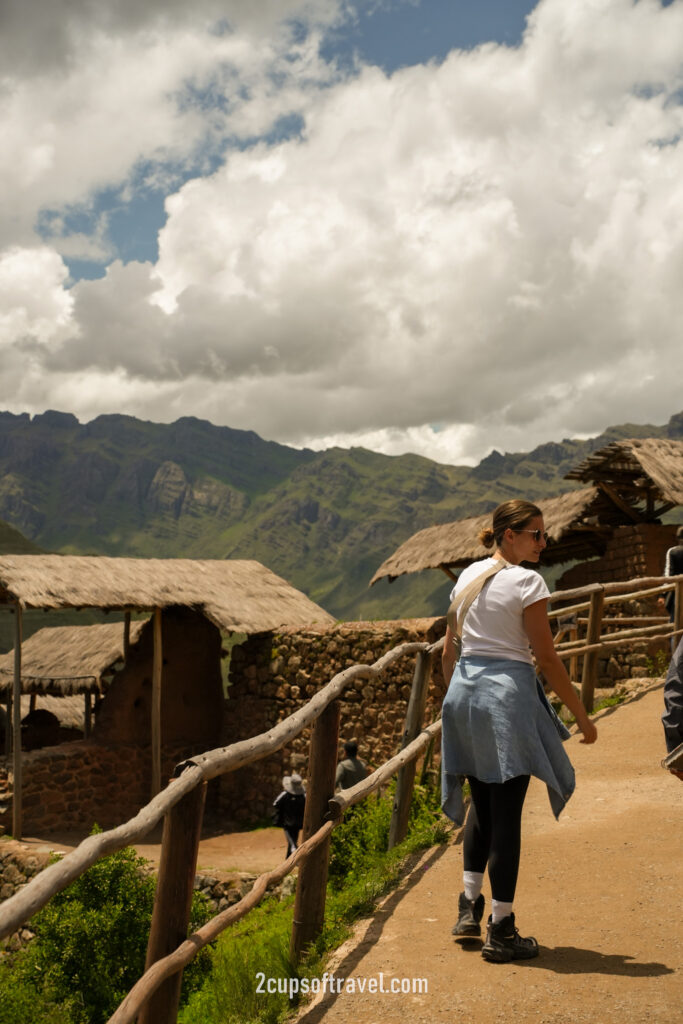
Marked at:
<point>323,520</point>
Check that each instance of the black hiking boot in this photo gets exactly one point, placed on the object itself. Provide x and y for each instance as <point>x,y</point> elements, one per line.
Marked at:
<point>470,913</point>
<point>504,943</point>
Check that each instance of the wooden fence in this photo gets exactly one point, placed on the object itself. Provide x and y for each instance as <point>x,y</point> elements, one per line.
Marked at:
<point>594,598</point>
<point>154,998</point>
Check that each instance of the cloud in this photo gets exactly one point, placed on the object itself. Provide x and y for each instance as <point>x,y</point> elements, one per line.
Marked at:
<point>493,244</point>
<point>134,94</point>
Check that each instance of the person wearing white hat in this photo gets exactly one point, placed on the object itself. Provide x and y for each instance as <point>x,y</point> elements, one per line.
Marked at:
<point>288,810</point>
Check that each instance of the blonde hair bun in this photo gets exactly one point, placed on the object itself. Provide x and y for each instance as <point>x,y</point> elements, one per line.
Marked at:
<point>487,537</point>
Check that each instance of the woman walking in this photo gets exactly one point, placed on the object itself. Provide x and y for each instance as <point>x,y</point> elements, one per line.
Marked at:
<point>498,727</point>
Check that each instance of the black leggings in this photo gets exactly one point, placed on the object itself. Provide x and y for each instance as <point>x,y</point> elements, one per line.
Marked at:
<point>493,832</point>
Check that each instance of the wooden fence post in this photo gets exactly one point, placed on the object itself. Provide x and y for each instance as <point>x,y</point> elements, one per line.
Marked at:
<point>17,808</point>
<point>309,905</point>
<point>678,609</point>
<point>590,658</point>
<point>173,899</point>
<point>157,668</point>
<point>405,779</point>
<point>574,660</point>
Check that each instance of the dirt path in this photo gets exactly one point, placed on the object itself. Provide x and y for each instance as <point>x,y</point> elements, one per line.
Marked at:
<point>601,891</point>
<point>219,854</point>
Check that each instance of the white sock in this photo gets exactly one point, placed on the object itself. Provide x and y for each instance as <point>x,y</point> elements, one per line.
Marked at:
<point>472,882</point>
<point>499,910</point>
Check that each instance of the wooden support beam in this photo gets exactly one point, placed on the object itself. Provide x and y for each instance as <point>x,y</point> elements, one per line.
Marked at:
<point>311,886</point>
<point>451,575</point>
<point>8,725</point>
<point>156,704</point>
<point>405,779</point>
<point>616,498</point>
<point>590,659</point>
<point>173,900</point>
<point>17,809</point>
<point>126,637</point>
<point>87,717</point>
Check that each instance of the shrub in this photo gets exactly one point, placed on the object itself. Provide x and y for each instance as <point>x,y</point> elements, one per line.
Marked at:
<point>90,945</point>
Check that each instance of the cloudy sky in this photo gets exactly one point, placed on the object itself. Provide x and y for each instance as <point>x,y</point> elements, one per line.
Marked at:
<point>415,225</point>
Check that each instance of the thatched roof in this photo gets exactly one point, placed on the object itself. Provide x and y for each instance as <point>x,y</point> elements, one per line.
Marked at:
<point>572,521</point>
<point>68,659</point>
<point>644,469</point>
<point>69,710</point>
<point>237,596</point>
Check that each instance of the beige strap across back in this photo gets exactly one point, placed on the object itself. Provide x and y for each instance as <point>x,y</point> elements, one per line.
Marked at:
<point>461,602</point>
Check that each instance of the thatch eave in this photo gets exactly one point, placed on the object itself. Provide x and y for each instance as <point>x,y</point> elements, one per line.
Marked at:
<point>67,660</point>
<point>578,523</point>
<point>236,595</point>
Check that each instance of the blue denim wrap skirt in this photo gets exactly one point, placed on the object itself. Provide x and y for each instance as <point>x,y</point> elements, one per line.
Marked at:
<point>497,724</point>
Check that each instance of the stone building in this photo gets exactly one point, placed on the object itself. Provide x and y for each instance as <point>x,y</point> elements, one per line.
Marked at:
<point>164,704</point>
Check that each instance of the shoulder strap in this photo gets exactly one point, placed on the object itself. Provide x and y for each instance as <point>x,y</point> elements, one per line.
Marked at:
<point>461,602</point>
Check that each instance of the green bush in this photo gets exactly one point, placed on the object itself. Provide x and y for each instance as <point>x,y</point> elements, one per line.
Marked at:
<point>90,946</point>
<point>362,839</point>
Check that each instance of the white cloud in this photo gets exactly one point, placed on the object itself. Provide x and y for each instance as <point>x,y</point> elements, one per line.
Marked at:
<point>34,306</point>
<point>494,244</point>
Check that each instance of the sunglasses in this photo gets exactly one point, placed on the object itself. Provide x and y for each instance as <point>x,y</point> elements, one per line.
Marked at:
<point>536,534</point>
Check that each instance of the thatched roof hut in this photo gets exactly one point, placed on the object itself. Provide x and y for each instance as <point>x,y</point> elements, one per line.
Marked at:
<point>236,596</point>
<point>575,521</point>
<point>639,470</point>
<point>67,660</point>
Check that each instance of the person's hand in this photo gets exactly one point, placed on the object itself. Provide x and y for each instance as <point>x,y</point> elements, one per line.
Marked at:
<point>590,733</point>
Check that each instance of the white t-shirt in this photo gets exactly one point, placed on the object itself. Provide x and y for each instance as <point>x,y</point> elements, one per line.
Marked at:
<point>494,626</point>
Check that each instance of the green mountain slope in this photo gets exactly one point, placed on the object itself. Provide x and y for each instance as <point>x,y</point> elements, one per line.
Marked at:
<point>323,520</point>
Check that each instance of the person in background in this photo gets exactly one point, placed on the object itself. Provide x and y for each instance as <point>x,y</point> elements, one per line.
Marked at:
<point>673,566</point>
<point>352,769</point>
<point>672,719</point>
<point>498,727</point>
<point>288,810</point>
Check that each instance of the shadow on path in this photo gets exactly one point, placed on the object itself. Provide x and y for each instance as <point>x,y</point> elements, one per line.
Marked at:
<point>573,960</point>
<point>373,934</point>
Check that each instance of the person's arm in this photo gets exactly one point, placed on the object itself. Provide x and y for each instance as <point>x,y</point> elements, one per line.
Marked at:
<point>448,656</point>
<point>537,626</point>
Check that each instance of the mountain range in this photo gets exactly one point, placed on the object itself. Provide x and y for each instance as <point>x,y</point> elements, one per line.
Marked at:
<point>322,520</point>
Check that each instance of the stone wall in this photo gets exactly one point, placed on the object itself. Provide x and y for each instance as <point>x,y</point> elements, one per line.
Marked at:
<point>273,675</point>
<point>631,551</point>
<point>79,784</point>
<point>16,869</point>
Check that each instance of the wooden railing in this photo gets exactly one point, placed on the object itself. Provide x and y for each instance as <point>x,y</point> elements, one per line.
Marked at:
<point>154,998</point>
<point>600,595</point>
